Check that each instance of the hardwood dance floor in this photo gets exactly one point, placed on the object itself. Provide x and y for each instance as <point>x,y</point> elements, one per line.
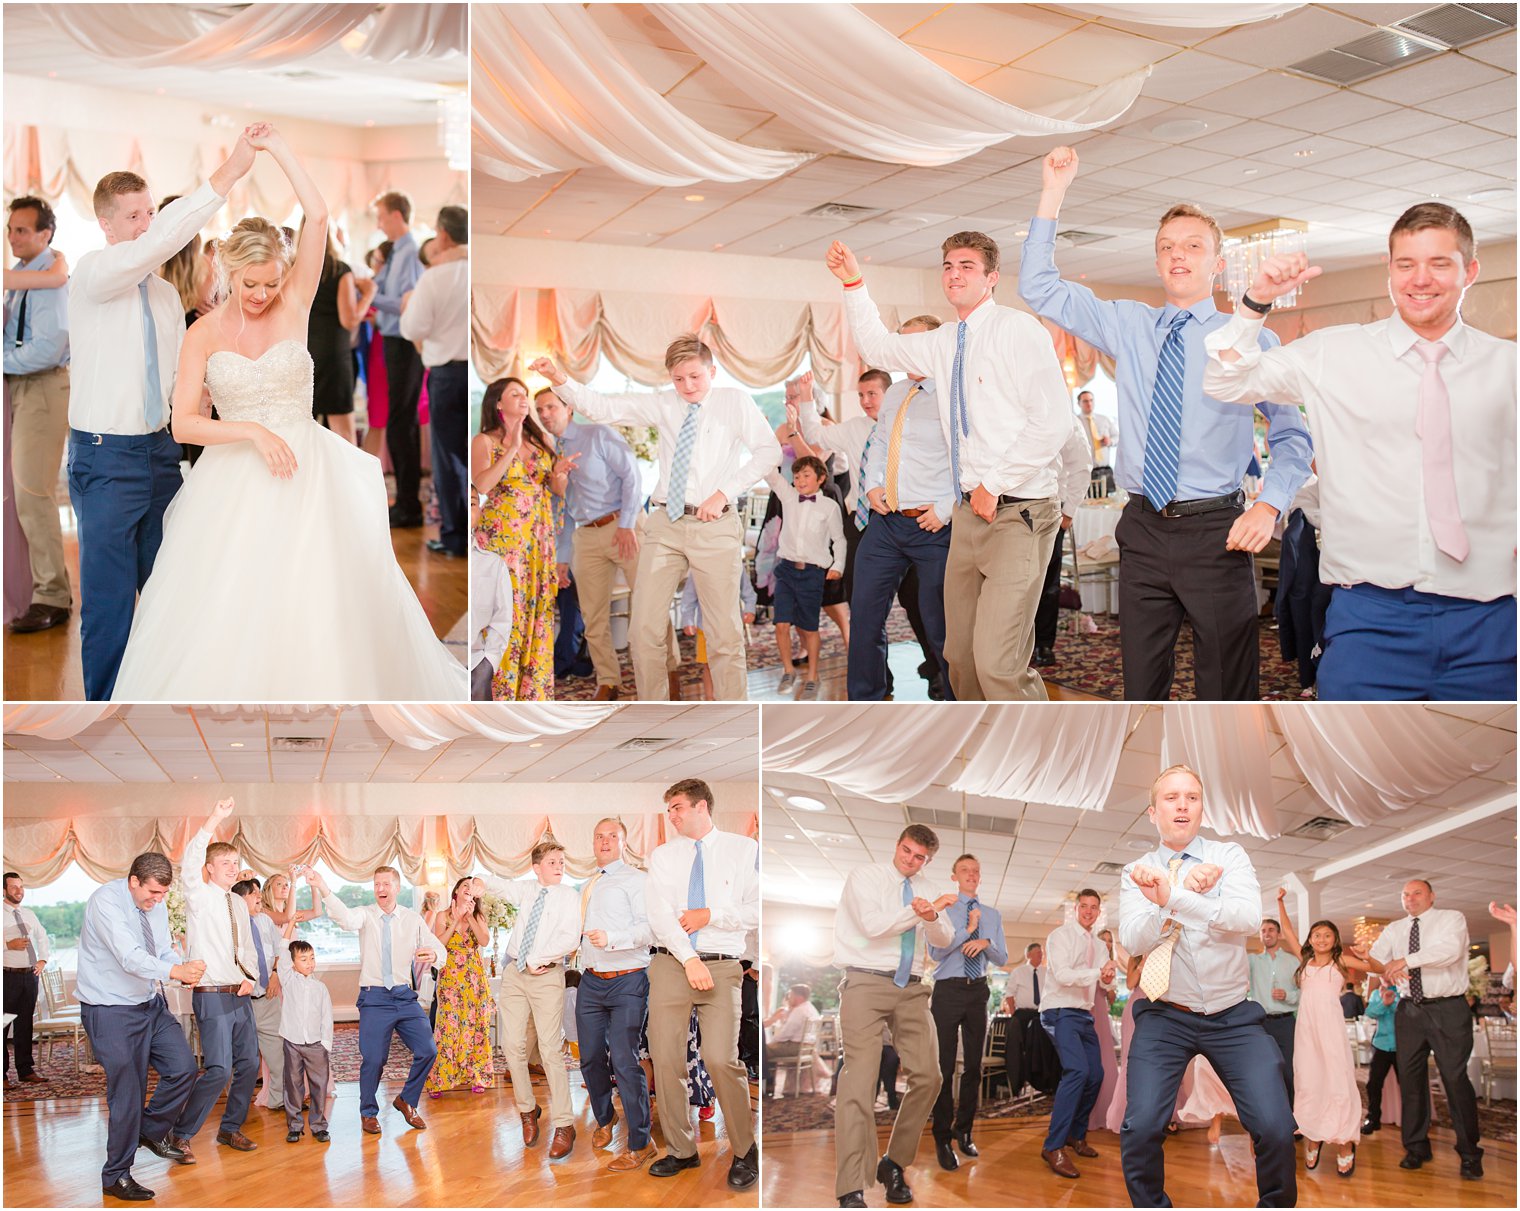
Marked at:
<point>798,1171</point>
<point>471,1155</point>
<point>44,667</point>
<point>903,658</point>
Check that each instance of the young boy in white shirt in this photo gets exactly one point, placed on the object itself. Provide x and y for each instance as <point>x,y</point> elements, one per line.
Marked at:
<point>306,1025</point>
<point>490,610</point>
<point>811,551</point>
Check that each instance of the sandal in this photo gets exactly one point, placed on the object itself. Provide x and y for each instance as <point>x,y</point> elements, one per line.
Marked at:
<point>435,1093</point>
<point>1311,1156</point>
<point>1173,1127</point>
<point>477,1088</point>
<point>1345,1166</point>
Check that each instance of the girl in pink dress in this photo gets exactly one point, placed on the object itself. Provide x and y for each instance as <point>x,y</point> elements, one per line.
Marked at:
<point>1102,1000</point>
<point>1326,1100</point>
<point>1209,1101</point>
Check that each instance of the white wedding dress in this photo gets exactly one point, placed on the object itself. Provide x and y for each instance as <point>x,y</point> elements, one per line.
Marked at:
<point>281,590</point>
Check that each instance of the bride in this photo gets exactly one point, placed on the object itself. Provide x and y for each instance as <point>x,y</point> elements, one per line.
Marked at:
<point>276,580</point>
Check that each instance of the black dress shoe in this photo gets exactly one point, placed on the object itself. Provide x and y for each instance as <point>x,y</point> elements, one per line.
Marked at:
<point>944,1152</point>
<point>321,1137</point>
<point>405,519</point>
<point>743,1173</point>
<point>1472,1170</point>
<point>293,1137</point>
<point>670,1164</point>
<point>128,1190</point>
<point>164,1148</point>
<point>39,617</point>
<point>963,1142</point>
<point>1369,1127</point>
<point>936,688</point>
<point>1412,1160</point>
<point>889,1173</point>
<point>853,1199</point>
<point>1043,656</point>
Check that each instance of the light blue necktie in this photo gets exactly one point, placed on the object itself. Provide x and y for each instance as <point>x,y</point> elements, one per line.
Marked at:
<point>862,506</point>
<point>974,966</point>
<point>153,389</point>
<point>696,889</point>
<point>150,946</point>
<point>906,944</point>
<point>530,930</point>
<point>387,919</point>
<point>960,418</point>
<point>675,490</point>
<point>258,945</point>
<point>1163,434</point>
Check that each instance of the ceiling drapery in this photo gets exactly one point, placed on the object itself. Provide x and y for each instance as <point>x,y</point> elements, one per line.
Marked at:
<point>1185,16</point>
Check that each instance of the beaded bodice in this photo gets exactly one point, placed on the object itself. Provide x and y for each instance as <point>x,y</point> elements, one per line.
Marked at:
<point>272,389</point>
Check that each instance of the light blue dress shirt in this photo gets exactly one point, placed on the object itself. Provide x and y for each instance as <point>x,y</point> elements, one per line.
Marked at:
<point>923,476</point>
<point>617,905</point>
<point>1217,444</point>
<point>951,962</point>
<point>114,967</point>
<point>402,271</point>
<point>1268,973</point>
<point>45,342</point>
<point>605,480</point>
<point>1383,1037</point>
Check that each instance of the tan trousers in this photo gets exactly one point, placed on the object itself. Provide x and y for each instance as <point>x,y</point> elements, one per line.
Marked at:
<point>39,431</point>
<point>671,998</point>
<point>266,1020</point>
<point>540,999</point>
<point>713,551</point>
<point>865,1003</point>
<point>594,561</point>
<point>993,580</point>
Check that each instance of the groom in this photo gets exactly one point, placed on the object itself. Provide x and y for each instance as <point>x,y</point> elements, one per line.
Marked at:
<point>126,325</point>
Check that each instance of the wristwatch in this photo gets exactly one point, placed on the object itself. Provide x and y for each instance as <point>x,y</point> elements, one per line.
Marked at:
<point>1260,308</point>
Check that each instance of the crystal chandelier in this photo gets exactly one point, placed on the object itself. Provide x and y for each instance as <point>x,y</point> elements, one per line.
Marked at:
<point>1245,248</point>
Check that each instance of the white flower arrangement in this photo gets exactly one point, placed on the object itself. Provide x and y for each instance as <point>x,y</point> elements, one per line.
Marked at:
<point>499,914</point>
<point>178,909</point>
<point>645,441</point>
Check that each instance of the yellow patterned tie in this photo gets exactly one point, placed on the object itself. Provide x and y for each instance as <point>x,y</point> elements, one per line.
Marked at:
<point>1156,975</point>
<point>1097,445</point>
<point>894,447</point>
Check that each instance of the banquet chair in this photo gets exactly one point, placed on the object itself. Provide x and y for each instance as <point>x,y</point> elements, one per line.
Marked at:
<point>61,1016</point>
<point>995,1054</point>
<point>1499,1063</point>
<point>802,1062</point>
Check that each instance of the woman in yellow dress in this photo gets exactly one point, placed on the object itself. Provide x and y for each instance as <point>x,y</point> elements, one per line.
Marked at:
<point>463,994</point>
<point>512,462</point>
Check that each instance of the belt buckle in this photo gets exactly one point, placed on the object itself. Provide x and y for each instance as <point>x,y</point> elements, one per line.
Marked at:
<point>1170,509</point>
<point>97,440</point>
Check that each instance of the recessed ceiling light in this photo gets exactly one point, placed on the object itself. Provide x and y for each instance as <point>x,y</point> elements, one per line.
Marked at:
<point>1303,153</point>
<point>236,744</point>
<point>536,744</point>
<point>1180,128</point>
<point>805,804</point>
<point>789,836</point>
<point>1249,172</point>
<point>1492,194</point>
<point>696,197</point>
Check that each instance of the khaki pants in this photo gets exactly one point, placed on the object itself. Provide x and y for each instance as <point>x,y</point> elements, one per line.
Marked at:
<point>266,1020</point>
<point>713,551</point>
<point>671,998</point>
<point>992,591</point>
<point>865,1003</point>
<point>541,999</point>
<point>39,431</point>
<point>594,561</point>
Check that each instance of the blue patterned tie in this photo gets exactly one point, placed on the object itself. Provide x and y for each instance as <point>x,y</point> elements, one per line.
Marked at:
<point>675,490</point>
<point>386,920</point>
<point>696,888</point>
<point>153,388</point>
<point>1163,435</point>
<point>906,943</point>
<point>862,505</point>
<point>960,418</point>
<point>974,966</point>
<point>530,930</point>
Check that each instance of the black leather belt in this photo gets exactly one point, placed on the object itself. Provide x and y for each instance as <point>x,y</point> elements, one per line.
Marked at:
<point>960,980</point>
<point>1005,500</point>
<point>689,510</point>
<point>1190,508</point>
<point>885,975</point>
<point>705,957</point>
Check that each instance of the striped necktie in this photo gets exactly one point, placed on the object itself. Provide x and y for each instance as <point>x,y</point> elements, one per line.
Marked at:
<point>894,448</point>
<point>960,419</point>
<point>1163,434</point>
<point>975,966</point>
<point>680,465</point>
<point>858,485</point>
<point>530,930</point>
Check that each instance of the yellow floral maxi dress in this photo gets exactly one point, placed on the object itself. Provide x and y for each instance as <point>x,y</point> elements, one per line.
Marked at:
<point>463,1034</point>
<point>518,522</point>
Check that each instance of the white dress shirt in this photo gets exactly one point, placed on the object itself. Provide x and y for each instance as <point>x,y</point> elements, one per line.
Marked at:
<point>734,446</point>
<point>1021,983</point>
<point>18,960</point>
<point>811,530</point>
<point>559,923</point>
<point>793,1027</point>
<point>490,606</point>
<point>730,881</point>
<point>1442,957</point>
<point>211,916</point>
<point>923,472</point>
<point>437,314</point>
<point>409,934</point>
<point>872,919</point>
<point>306,1014</point>
<point>618,906</point>
<point>1074,469</point>
<point>1209,972</point>
<point>107,369</point>
<point>1074,959</point>
<point>1360,384</point>
<point>1015,394</point>
<point>1103,456</point>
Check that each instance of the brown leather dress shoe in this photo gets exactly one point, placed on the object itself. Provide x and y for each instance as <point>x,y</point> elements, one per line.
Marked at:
<point>562,1143</point>
<point>602,1136</point>
<point>186,1156</point>
<point>1060,1163</point>
<point>31,1078</point>
<point>1081,1148</point>
<point>606,693</point>
<point>235,1139</point>
<point>409,1113</point>
<point>370,1124</point>
<point>39,617</point>
<point>673,679</point>
<point>530,1126</point>
<point>630,1160</point>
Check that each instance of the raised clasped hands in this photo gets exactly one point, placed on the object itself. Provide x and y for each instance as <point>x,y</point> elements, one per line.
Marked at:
<point>805,387</point>
<point>544,367</point>
<point>841,261</point>
<point>1279,275</point>
<point>1202,877</point>
<point>262,136</point>
<point>1153,884</point>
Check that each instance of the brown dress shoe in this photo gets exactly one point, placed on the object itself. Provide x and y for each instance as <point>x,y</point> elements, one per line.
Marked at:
<point>1081,1148</point>
<point>31,1078</point>
<point>673,678</point>
<point>563,1141</point>
<point>602,1136</point>
<point>1060,1163</point>
<point>370,1124</point>
<point>606,693</point>
<point>183,1145</point>
<point>409,1113</point>
<point>39,617</point>
<point>530,1126</point>
<point>235,1139</point>
<point>630,1160</point>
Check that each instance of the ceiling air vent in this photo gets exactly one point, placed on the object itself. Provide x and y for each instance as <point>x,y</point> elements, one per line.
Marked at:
<point>645,744</point>
<point>998,826</point>
<point>1074,237</point>
<point>1321,828</point>
<point>842,210</point>
<point>298,744</point>
<point>1389,48</point>
<point>1109,868</point>
<point>1459,24</point>
<point>934,816</point>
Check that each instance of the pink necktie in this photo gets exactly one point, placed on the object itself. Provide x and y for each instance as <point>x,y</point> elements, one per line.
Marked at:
<point>1433,427</point>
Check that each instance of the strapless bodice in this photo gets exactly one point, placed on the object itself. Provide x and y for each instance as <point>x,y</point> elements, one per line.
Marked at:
<point>273,389</point>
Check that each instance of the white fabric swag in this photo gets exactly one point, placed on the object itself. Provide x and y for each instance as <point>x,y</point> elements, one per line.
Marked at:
<point>1185,16</point>
<point>550,92</point>
<point>831,71</point>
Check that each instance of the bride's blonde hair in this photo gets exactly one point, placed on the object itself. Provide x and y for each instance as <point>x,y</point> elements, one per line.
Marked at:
<point>254,241</point>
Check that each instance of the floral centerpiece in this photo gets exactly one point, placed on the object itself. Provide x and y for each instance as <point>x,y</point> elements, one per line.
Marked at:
<point>178,912</point>
<point>499,915</point>
<point>644,439</point>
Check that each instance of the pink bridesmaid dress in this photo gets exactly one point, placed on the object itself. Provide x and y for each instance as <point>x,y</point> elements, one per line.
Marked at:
<point>1327,1102</point>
